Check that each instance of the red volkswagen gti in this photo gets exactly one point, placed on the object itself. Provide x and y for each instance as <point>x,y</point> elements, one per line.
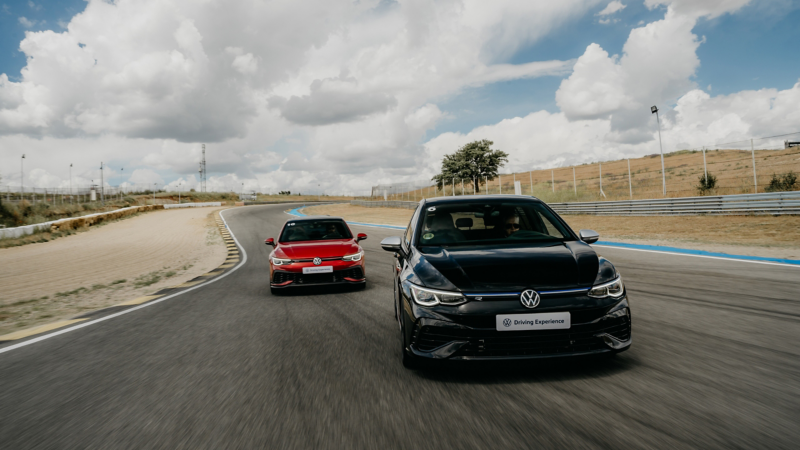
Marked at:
<point>314,251</point>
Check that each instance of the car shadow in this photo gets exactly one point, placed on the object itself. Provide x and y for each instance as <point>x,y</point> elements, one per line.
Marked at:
<point>303,291</point>
<point>543,370</point>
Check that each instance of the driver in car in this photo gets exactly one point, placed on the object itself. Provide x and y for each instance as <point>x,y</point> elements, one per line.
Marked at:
<point>510,224</point>
<point>332,232</point>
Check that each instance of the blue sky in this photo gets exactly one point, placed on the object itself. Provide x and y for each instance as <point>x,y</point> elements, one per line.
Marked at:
<point>354,93</point>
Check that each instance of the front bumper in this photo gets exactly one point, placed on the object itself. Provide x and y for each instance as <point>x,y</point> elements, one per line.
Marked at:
<point>439,339</point>
<point>351,275</point>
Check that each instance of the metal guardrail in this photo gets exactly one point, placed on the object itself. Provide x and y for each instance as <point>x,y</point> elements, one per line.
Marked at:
<point>772,203</point>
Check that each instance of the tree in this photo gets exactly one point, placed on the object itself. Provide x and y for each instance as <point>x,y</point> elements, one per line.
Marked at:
<point>706,184</point>
<point>475,161</point>
<point>785,182</point>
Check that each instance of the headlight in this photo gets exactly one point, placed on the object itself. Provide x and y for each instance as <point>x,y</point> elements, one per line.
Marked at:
<point>356,257</point>
<point>280,262</point>
<point>433,297</point>
<point>612,289</point>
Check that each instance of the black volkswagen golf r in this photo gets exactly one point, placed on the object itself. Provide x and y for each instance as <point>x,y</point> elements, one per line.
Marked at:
<point>503,277</point>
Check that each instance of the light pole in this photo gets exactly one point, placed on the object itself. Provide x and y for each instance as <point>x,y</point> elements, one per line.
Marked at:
<point>654,110</point>
<point>102,186</point>
<point>22,177</point>
<point>70,183</point>
<point>154,192</point>
<point>179,193</point>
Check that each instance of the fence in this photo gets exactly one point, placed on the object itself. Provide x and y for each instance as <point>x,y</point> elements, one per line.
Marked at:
<point>779,203</point>
<point>623,179</point>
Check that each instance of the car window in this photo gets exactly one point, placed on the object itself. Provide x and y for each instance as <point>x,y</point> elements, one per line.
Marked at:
<point>489,221</point>
<point>315,230</point>
<point>411,227</point>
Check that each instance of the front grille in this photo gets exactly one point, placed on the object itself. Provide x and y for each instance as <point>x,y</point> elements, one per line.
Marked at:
<point>336,276</point>
<point>493,343</point>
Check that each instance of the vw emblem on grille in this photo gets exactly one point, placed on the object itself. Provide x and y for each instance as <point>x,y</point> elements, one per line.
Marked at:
<point>317,261</point>
<point>529,298</point>
<point>507,322</point>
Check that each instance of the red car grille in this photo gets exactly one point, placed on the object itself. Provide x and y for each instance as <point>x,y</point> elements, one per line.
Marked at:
<point>337,276</point>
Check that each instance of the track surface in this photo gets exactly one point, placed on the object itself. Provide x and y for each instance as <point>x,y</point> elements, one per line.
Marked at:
<point>715,363</point>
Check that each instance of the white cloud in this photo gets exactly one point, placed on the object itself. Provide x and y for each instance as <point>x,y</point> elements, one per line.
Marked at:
<point>699,8</point>
<point>344,97</point>
<point>26,22</point>
<point>146,177</point>
<point>611,8</point>
<point>656,67</point>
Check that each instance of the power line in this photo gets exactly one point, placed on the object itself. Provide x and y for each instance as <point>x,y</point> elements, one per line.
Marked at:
<point>755,139</point>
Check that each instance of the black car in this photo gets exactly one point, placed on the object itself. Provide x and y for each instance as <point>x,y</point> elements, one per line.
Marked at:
<point>503,277</point>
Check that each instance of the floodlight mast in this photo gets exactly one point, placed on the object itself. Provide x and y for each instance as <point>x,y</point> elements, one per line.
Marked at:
<point>654,110</point>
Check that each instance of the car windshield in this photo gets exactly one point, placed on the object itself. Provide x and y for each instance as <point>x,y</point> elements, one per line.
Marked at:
<point>315,230</point>
<point>489,222</point>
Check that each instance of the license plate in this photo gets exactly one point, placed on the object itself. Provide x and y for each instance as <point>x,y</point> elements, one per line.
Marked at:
<point>543,321</point>
<point>319,269</point>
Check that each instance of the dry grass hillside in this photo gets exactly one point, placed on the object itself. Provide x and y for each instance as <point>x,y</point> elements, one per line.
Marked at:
<point>733,169</point>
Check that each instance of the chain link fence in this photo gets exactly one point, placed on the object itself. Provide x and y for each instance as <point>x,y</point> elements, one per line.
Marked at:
<point>632,179</point>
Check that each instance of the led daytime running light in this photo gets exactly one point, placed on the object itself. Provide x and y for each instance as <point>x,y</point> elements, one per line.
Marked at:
<point>613,289</point>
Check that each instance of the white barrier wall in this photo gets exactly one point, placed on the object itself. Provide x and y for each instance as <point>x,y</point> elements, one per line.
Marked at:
<point>192,205</point>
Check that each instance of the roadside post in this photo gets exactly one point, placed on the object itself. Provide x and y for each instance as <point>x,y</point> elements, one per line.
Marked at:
<point>755,179</point>
<point>630,182</point>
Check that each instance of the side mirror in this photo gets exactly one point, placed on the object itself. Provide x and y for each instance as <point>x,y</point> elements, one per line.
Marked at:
<point>391,244</point>
<point>361,237</point>
<point>589,236</point>
<point>270,241</point>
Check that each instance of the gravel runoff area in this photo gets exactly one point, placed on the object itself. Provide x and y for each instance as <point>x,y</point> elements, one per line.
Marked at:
<point>765,236</point>
<point>115,262</point>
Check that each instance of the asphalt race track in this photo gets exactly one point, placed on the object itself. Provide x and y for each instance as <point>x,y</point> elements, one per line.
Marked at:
<point>715,363</point>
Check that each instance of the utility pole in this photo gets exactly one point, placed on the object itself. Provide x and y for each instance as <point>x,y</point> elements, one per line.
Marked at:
<point>654,110</point>
<point>203,171</point>
<point>574,184</point>
<point>630,182</point>
<point>154,192</point>
<point>755,180</point>
<point>705,169</point>
<point>530,178</point>
<point>553,180</point>
<point>102,186</point>
<point>21,178</point>
<point>70,183</point>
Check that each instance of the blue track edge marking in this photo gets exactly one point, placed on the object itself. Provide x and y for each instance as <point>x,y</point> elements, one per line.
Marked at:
<point>296,212</point>
<point>652,248</point>
<point>684,251</point>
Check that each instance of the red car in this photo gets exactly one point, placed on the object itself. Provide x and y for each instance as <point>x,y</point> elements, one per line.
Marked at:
<point>316,250</point>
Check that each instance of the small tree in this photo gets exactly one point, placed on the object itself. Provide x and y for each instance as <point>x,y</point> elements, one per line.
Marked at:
<point>706,184</point>
<point>785,182</point>
<point>474,161</point>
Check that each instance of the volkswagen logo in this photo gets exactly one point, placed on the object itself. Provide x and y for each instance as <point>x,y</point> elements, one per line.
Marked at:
<point>507,322</point>
<point>318,261</point>
<point>529,298</point>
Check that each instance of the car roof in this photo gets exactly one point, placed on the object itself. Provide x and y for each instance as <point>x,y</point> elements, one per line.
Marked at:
<point>472,198</point>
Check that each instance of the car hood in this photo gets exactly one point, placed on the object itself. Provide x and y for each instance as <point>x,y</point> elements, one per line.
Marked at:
<point>560,265</point>
<point>312,249</point>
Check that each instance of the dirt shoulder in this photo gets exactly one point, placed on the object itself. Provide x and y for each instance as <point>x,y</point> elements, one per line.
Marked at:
<point>767,236</point>
<point>115,262</point>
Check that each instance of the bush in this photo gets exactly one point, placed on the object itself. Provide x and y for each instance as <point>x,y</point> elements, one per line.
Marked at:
<point>785,182</point>
<point>706,184</point>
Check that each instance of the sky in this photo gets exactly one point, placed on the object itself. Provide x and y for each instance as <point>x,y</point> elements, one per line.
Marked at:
<point>340,95</point>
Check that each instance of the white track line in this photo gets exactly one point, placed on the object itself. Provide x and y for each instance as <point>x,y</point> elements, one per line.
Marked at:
<point>145,305</point>
<point>700,256</point>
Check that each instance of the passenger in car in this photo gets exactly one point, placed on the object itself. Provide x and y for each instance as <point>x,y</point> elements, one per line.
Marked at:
<point>440,229</point>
